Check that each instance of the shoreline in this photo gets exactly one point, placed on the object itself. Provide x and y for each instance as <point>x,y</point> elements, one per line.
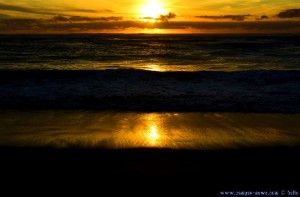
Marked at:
<point>119,130</point>
<point>264,91</point>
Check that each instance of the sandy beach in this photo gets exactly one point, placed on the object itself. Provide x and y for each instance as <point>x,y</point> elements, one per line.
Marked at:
<point>121,130</point>
<point>216,151</point>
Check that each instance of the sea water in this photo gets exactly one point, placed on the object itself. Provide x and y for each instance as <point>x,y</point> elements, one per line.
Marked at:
<point>146,90</point>
<point>156,52</point>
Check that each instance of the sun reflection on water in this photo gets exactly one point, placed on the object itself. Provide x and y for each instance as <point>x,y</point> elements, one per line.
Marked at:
<point>152,134</point>
<point>155,67</point>
<point>143,130</point>
<point>64,129</point>
<point>161,67</point>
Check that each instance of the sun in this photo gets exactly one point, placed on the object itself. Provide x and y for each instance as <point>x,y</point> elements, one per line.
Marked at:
<point>152,9</point>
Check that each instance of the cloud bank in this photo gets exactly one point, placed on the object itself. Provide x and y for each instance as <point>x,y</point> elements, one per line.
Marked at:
<point>61,18</point>
<point>62,24</point>
<point>292,13</point>
<point>232,17</point>
<point>44,11</point>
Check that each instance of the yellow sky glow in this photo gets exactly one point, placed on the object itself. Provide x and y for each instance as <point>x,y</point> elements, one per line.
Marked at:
<point>187,16</point>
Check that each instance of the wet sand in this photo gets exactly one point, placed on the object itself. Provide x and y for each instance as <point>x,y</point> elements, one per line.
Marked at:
<point>118,130</point>
<point>190,152</point>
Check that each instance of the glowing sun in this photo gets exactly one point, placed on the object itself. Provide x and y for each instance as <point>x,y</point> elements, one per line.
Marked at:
<point>152,9</point>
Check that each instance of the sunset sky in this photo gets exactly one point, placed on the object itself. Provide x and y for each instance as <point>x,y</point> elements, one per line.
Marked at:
<point>149,16</point>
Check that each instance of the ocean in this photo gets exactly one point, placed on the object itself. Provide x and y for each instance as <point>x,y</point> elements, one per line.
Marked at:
<point>154,52</point>
<point>95,89</point>
<point>149,72</point>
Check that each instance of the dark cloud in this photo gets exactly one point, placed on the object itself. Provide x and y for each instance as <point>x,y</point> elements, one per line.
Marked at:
<point>20,24</point>
<point>48,11</point>
<point>4,16</point>
<point>89,11</point>
<point>23,9</point>
<point>261,26</point>
<point>264,17</point>
<point>81,18</point>
<point>111,18</point>
<point>14,8</point>
<point>232,17</point>
<point>84,18</point>
<point>167,17</point>
<point>148,18</point>
<point>292,13</point>
<point>163,18</point>
<point>61,18</point>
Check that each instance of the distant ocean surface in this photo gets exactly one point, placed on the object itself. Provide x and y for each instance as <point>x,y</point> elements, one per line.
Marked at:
<point>149,72</point>
<point>150,52</point>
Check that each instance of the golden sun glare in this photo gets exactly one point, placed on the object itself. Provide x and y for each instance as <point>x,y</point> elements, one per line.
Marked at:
<point>152,9</point>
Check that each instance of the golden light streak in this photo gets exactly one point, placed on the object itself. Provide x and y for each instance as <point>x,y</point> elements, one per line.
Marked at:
<point>154,67</point>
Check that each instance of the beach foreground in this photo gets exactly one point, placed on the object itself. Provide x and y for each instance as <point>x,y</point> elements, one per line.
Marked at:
<point>187,152</point>
<point>174,130</point>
